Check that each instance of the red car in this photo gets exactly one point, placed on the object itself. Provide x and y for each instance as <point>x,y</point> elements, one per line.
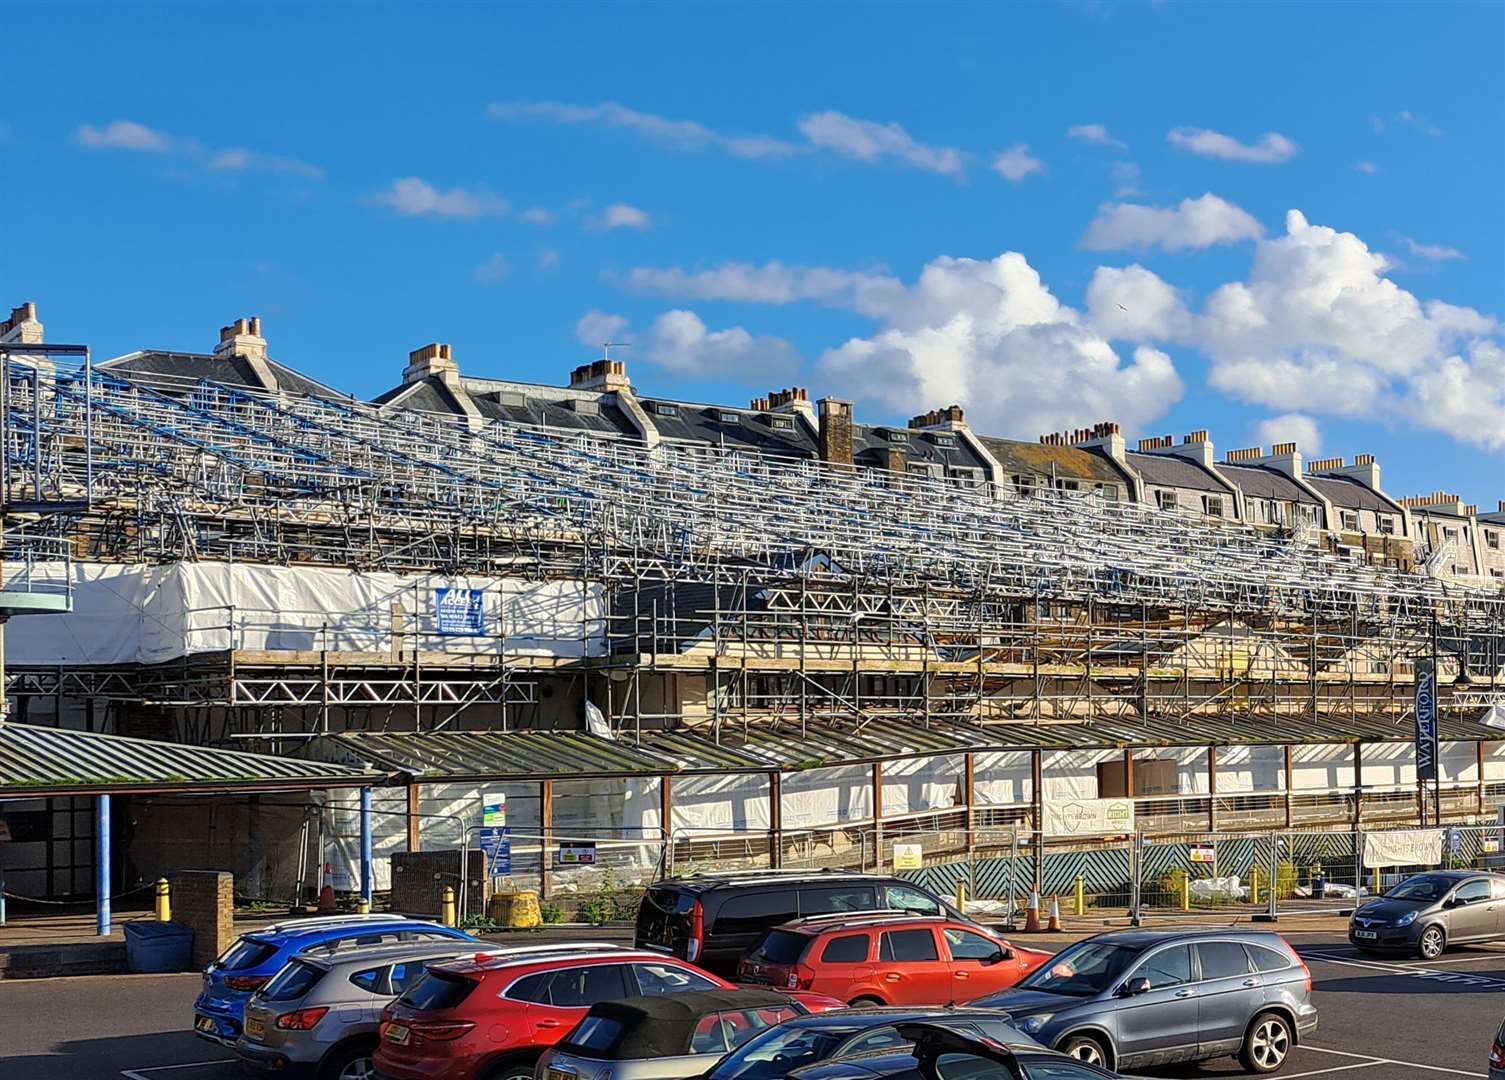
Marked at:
<point>490,1017</point>
<point>887,958</point>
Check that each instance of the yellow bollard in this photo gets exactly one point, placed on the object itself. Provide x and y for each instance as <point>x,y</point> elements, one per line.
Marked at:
<point>1254,885</point>
<point>1376,881</point>
<point>164,900</point>
<point>447,906</point>
<point>960,896</point>
<point>363,906</point>
<point>1081,895</point>
<point>1185,891</point>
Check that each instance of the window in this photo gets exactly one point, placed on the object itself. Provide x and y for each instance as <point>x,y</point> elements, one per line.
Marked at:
<point>368,980</point>
<point>708,1037</point>
<point>1067,485</point>
<point>943,440</point>
<point>1308,514</point>
<point>582,987</point>
<point>594,1036</point>
<point>292,982</point>
<point>1350,520</point>
<point>972,1067</point>
<point>824,901</point>
<point>1222,959</point>
<point>1024,485</point>
<point>728,417</point>
<point>884,1038</point>
<point>896,436</point>
<point>739,1026</point>
<point>1166,500</point>
<point>1267,959</point>
<point>437,991</point>
<point>246,953</point>
<point>908,946</point>
<point>781,423</point>
<point>655,980</point>
<point>1492,538</point>
<point>1212,505</point>
<point>903,898</point>
<point>1061,1070</point>
<point>664,408</point>
<point>754,911</point>
<point>780,947</point>
<point>847,949</point>
<point>1471,892</point>
<point>1168,967</point>
<point>534,988</point>
<point>965,945</point>
<point>404,975</point>
<point>1497,889</point>
<point>1387,526</point>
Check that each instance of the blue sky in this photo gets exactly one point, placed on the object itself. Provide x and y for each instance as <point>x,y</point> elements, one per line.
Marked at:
<point>1054,213</point>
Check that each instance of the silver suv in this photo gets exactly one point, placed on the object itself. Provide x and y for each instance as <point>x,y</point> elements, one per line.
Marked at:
<point>318,1016</point>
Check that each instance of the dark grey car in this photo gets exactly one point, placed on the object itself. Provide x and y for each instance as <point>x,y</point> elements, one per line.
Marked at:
<point>1428,912</point>
<point>1136,998</point>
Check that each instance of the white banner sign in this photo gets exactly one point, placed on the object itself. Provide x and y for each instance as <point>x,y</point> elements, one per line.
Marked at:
<point>1404,847</point>
<point>1089,817</point>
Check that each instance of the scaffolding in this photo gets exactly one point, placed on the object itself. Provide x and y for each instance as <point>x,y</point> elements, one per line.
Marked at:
<point>740,589</point>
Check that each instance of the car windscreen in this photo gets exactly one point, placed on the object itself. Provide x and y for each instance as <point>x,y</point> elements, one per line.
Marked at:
<point>248,952</point>
<point>777,1052</point>
<point>1084,969</point>
<point>437,990</point>
<point>292,982</point>
<point>780,947</point>
<point>1421,887</point>
<point>664,916</point>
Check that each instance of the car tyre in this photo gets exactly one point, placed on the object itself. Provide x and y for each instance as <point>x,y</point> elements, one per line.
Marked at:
<point>350,1063</point>
<point>1086,1048</point>
<point>516,1069</point>
<point>1267,1043</point>
<point>866,1000</point>
<point>1431,943</point>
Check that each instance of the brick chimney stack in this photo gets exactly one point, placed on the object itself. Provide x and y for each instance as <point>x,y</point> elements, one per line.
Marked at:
<point>242,338</point>
<point>951,418</point>
<point>608,375</point>
<point>789,400</point>
<point>433,360</point>
<point>835,440</point>
<point>23,327</point>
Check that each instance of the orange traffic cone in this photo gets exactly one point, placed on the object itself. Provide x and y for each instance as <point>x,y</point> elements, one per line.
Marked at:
<point>327,904</point>
<point>1032,914</point>
<point>1054,925</point>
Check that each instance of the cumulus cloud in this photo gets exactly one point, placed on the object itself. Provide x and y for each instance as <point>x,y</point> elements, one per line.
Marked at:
<point>549,259</point>
<point>1016,163</point>
<point>1096,135</point>
<point>1134,304</point>
<point>1272,149</point>
<point>1420,123</point>
<point>680,342</point>
<point>1195,223</point>
<point>129,135</point>
<point>622,216</point>
<point>868,141</point>
<point>771,283</point>
<point>597,328</point>
<point>1368,168</point>
<point>681,134</point>
<point>1432,252</point>
<point>537,215</point>
<point>1126,179</point>
<point>1290,427</point>
<point>124,135</point>
<point>493,269</point>
<point>413,197</point>
<point>989,335</point>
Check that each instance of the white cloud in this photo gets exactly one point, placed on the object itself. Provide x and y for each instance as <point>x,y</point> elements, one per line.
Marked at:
<point>1126,177</point>
<point>413,197</point>
<point>1096,134</point>
<point>596,328</point>
<point>770,283</point>
<point>990,336</point>
<point>493,269</point>
<point>1290,427</point>
<point>622,216</point>
<point>549,259</point>
<point>1272,149</point>
<point>681,134</point>
<point>680,342</point>
<point>1420,123</point>
<point>1134,304</point>
<point>1195,223</point>
<point>537,215</point>
<point>241,160</point>
<point>1016,163</point>
<point>124,135</point>
<point>1368,168</point>
<point>867,141</point>
<point>1432,252</point>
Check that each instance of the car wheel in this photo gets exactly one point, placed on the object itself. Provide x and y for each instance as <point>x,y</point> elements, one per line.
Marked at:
<point>512,1070</point>
<point>1267,1044</point>
<point>1431,943</point>
<point>859,1002</point>
<point>1085,1048</point>
<point>350,1063</point>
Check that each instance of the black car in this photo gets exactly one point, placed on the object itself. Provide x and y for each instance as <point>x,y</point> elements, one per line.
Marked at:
<point>848,1033</point>
<point>1428,912</point>
<point>713,919</point>
<point>939,1051</point>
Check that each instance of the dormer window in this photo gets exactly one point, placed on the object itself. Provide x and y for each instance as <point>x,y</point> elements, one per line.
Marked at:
<point>943,440</point>
<point>781,423</point>
<point>725,416</point>
<point>896,436</point>
<point>664,408</point>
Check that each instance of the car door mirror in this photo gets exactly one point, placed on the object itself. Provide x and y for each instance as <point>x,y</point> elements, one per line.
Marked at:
<point>1134,987</point>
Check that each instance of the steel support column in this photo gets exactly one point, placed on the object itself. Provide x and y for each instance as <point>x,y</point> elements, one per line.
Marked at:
<point>367,884</point>
<point>102,865</point>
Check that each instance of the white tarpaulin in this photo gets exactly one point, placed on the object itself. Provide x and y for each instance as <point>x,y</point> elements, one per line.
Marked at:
<point>1403,847</point>
<point>1089,817</point>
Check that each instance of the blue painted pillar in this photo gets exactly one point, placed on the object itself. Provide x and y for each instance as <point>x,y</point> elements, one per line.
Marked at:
<point>102,865</point>
<point>366,877</point>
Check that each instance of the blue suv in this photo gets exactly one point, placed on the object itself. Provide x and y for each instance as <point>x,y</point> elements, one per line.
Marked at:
<point>250,963</point>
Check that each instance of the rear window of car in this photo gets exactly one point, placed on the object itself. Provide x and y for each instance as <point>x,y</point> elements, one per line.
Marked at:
<point>368,980</point>
<point>247,953</point>
<point>846,949</point>
<point>664,916</point>
<point>1222,959</point>
<point>754,911</point>
<point>908,945</point>
<point>292,982</point>
<point>437,990</point>
<point>1265,958</point>
<point>781,947</point>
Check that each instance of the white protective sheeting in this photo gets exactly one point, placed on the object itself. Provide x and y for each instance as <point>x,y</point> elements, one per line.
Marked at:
<point>1494,761</point>
<point>706,805</point>
<point>1002,778</point>
<point>148,614</point>
<point>1322,767</point>
<point>919,784</point>
<point>1072,774</point>
<point>1403,847</point>
<point>1245,769</point>
<point>817,798</point>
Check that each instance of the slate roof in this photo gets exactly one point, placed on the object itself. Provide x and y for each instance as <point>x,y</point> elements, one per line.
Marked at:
<point>1351,494</point>
<point>1069,462</point>
<point>1173,471</point>
<point>1263,482</point>
<point>180,371</point>
<point>870,446</point>
<point>713,425</point>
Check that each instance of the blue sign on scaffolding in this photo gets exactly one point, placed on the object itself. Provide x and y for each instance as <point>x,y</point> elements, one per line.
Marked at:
<point>496,844</point>
<point>460,612</point>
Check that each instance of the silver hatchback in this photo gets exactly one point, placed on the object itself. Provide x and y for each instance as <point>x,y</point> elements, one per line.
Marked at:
<point>318,1017</point>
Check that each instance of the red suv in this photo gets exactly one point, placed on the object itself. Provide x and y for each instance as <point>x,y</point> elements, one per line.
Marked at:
<point>491,1016</point>
<point>891,958</point>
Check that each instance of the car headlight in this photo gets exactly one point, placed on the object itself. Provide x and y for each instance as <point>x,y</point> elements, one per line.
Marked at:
<point>1033,1024</point>
<point>1407,919</point>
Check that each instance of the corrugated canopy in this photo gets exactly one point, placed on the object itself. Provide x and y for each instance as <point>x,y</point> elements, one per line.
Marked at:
<point>46,761</point>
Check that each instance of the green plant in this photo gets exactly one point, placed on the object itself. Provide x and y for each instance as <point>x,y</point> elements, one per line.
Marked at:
<point>551,913</point>
<point>598,910</point>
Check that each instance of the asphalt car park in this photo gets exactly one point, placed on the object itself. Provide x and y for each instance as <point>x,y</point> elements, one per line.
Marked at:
<point>1381,1019</point>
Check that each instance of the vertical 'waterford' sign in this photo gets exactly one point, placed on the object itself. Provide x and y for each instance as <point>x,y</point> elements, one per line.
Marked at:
<point>1426,720</point>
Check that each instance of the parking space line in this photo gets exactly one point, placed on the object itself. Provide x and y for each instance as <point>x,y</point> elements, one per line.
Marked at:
<point>1370,1059</point>
<point>139,1073</point>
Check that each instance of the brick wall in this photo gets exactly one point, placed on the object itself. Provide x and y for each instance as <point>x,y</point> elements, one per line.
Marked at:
<point>204,901</point>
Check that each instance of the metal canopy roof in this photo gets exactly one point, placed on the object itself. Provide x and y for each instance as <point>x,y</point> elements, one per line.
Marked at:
<point>46,761</point>
<point>564,755</point>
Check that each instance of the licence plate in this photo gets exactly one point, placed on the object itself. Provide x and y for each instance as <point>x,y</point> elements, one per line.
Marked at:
<point>1366,935</point>
<point>398,1034</point>
<point>256,1027</point>
<point>559,1074</point>
<point>206,1025</point>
